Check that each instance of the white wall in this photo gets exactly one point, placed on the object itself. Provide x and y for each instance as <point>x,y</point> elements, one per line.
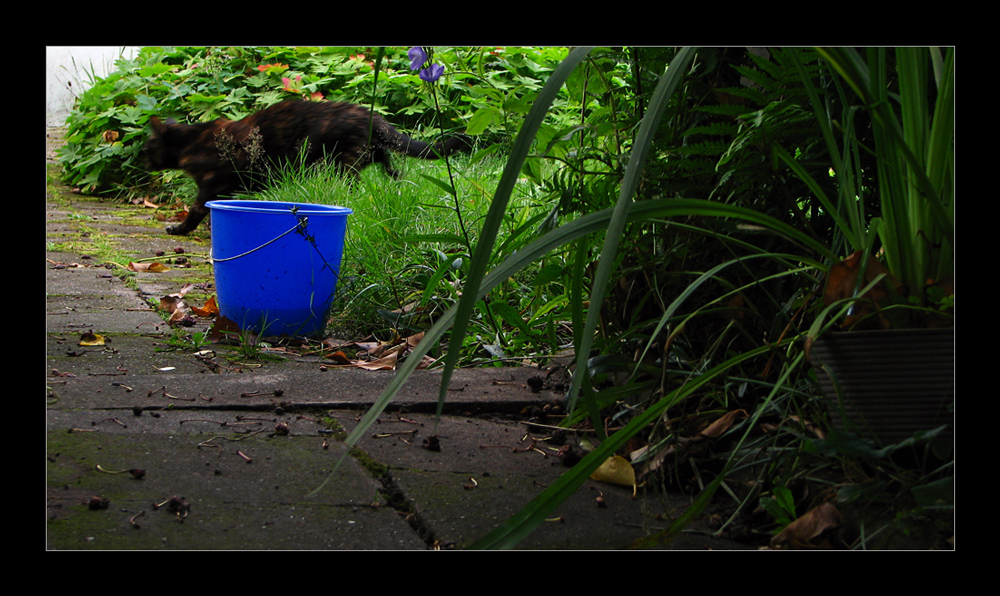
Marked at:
<point>68,71</point>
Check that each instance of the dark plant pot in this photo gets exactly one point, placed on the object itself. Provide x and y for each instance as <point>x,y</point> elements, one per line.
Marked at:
<point>889,384</point>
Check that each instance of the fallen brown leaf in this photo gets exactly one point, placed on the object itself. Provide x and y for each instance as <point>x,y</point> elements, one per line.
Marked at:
<point>801,532</point>
<point>842,281</point>
<point>154,267</point>
<point>223,328</point>
<point>721,425</point>
<point>209,310</point>
<point>172,303</point>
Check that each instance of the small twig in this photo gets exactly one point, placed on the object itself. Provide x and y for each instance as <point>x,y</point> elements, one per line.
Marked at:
<point>208,444</point>
<point>244,456</point>
<point>515,383</point>
<point>223,423</point>
<point>133,518</point>
<point>395,434</point>
<point>241,417</point>
<point>276,393</point>
<point>576,430</point>
<point>137,473</point>
<point>531,447</point>
<point>163,391</point>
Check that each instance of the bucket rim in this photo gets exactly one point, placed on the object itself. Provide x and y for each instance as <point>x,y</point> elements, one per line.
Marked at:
<point>272,206</point>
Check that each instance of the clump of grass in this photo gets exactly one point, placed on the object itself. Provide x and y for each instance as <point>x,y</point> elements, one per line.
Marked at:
<point>407,245</point>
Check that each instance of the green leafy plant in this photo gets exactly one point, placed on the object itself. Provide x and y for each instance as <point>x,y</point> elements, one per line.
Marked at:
<point>913,194</point>
<point>780,505</point>
<point>610,221</point>
<point>107,126</point>
<point>180,339</point>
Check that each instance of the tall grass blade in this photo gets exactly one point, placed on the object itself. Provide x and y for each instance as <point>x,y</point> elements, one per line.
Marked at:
<point>644,140</point>
<point>567,233</point>
<point>498,207</point>
<point>518,526</point>
<point>915,152</point>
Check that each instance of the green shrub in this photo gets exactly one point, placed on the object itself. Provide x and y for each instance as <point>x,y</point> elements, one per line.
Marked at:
<point>487,89</point>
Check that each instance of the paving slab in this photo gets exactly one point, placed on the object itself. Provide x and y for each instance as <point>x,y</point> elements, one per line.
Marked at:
<point>153,444</point>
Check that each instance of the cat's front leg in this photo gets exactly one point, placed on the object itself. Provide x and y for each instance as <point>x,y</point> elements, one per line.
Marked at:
<point>196,213</point>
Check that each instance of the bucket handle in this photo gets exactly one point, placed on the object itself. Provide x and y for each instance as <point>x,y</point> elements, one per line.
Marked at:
<point>301,224</point>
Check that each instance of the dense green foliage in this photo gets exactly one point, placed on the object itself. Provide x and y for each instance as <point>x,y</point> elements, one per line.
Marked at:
<point>668,214</point>
<point>486,89</point>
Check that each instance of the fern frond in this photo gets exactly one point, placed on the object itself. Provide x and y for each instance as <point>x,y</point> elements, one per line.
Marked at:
<point>729,110</point>
<point>755,96</point>
<point>716,128</point>
<point>710,148</point>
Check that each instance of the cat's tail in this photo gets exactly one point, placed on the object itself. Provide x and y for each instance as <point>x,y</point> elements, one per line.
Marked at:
<point>422,150</point>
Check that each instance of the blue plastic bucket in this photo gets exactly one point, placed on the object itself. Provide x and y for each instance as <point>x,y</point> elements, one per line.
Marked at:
<point>277,264</point>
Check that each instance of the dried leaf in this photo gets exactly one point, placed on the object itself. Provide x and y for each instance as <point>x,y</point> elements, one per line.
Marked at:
<point>615,470</point>
<point>172,304</point>
<point>842,280</point>
<point>209,310</point>
<point>223,328</point>
<point>387,362</point>
<point>721,425</point>
<point>801,532</point>
<point>154,267</point>
<point>340,358</point>
<point>179,316</point>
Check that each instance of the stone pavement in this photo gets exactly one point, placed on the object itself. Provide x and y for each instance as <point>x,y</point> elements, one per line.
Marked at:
<point>150,446</point>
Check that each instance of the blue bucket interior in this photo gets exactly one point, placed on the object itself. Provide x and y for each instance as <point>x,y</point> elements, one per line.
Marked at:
<point>277,264</point>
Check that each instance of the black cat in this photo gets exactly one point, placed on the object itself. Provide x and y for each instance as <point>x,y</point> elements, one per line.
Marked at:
<point>224,155</point>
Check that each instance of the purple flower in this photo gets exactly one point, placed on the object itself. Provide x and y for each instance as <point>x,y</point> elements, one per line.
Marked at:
<point>417,58</point>
<point>431,74</point>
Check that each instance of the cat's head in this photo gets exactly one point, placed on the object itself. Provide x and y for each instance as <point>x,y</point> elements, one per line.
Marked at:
<point>162,148</point>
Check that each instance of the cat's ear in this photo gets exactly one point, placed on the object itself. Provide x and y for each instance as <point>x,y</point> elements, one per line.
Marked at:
<point>160,125</point>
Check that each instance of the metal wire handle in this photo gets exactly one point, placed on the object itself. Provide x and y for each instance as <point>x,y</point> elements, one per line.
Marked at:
<point>301,224</point>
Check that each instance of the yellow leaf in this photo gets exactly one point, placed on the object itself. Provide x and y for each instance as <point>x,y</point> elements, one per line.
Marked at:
<point>616,470</point>
<point>91,339</point>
